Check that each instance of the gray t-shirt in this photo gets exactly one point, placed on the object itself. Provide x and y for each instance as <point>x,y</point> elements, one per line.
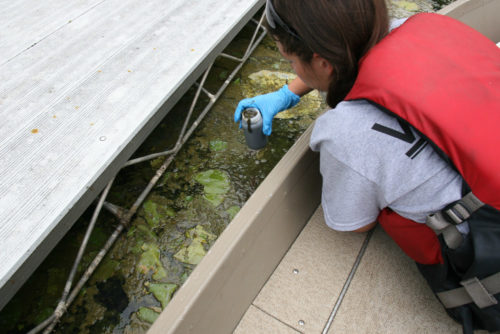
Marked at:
<point>370,161</point>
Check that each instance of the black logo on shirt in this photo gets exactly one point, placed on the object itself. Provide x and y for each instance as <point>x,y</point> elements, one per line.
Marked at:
<point>407,136</point>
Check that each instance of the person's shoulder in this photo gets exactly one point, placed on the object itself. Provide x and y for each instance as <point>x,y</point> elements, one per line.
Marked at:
<point>352,107</point>
<point>347,120</point>
<point>345,134</point>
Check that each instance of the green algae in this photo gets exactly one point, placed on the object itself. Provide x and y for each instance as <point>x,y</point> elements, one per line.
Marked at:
<point>408,6</point>
<point>194,251</point>
<point>144,231</point>
<point>216,184</point>
<point>163,292</point>
<point>191,254</point>
<point>149,262</point>
<point>147,314</point>
<point>156,211</point>
<point>139,233</point>
<point>156,163</point>
<point>232,211</point>
<point>107,268</point>
<point>218,145</point>
<point>151,213</point>
<point>200,233</point>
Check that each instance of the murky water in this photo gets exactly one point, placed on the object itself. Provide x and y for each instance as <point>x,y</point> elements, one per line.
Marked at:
<point>211,178</point>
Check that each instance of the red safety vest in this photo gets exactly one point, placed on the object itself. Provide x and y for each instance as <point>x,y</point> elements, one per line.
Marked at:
<point>442,77</point>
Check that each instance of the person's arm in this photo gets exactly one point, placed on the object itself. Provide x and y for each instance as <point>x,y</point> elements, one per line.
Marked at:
<point>349,200</point>
<point>298,87</point>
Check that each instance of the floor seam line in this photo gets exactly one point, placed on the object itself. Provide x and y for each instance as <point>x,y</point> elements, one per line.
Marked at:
<point>347,283</point>
<point>272,316</point>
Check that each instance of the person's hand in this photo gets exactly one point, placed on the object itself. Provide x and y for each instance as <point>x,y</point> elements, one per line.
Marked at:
<point>269,105</point>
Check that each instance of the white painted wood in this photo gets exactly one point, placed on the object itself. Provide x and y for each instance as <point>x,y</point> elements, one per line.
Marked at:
<point>77,104</point>
<point>26,22</point>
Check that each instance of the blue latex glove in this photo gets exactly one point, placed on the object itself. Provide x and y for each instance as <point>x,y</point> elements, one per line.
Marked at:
<point>269,105</point>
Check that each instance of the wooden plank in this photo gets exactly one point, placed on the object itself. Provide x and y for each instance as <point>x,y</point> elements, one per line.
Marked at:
<point>75,106</point>
<point>25,23</point>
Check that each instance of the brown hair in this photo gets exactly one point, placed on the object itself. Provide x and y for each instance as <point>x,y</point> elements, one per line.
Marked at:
<point>341,31</point>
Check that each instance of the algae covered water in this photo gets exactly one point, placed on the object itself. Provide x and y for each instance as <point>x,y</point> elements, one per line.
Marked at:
<point>209,181</point>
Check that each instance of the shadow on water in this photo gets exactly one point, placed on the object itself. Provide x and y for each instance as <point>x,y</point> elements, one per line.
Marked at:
<point>209,181</point>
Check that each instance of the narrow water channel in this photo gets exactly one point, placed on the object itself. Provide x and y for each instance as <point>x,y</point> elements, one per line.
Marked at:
<point>210,180</point>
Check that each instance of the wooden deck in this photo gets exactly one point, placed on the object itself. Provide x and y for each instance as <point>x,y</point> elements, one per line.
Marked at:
<point>81,85</point>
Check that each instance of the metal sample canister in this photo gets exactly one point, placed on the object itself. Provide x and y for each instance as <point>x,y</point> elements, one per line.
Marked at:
<point>251,122</point>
